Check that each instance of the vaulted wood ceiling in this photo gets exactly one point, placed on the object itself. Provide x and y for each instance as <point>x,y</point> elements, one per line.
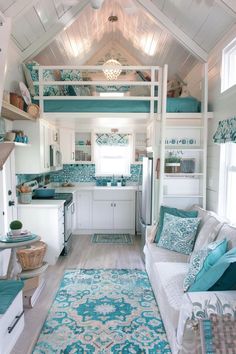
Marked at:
<point>71,32</point>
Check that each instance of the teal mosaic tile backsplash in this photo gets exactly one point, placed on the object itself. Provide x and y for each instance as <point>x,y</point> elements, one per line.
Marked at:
<point>76,173</point>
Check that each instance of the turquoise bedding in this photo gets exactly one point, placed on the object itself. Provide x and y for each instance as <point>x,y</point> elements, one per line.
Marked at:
<point>180,104</point>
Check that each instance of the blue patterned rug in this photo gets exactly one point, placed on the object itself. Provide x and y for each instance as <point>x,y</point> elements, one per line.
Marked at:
<point>103,311</point>
<point>112,238</point>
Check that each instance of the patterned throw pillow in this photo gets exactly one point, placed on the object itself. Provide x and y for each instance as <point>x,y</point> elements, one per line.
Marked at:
<point>173,211</point>
<point>201,261</point>
<point>178,234</point>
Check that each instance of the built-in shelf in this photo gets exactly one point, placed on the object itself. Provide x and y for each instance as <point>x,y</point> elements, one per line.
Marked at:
<point>13,113</point>
<point>183,147</point>
<point>182,196</point>
<point>184,175</point>
<point>16,143</point>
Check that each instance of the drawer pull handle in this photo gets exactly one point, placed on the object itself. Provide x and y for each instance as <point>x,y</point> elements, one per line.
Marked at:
<point>17,318</point>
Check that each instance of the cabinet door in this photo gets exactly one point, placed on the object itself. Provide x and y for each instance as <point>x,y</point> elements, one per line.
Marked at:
<point>84,210</point>
<point>67,145</point>
<point>102,214</point>
<point>123,215</point>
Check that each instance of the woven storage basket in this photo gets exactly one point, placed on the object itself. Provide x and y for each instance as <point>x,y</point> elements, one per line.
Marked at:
<point>32,257</point>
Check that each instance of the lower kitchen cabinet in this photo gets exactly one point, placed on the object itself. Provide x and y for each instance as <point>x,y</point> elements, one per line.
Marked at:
<point>84,210</point>
<point>116,214</point>
<point>48,223</point>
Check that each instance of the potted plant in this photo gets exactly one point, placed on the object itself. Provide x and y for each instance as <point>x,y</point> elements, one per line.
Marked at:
<point>172,162</point>
<point>16,227</point>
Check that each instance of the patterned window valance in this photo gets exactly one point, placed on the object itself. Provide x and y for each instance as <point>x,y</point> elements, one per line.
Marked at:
<point>112,139</point>
<point>226,131</point>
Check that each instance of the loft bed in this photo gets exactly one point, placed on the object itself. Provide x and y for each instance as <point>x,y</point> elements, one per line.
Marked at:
<point>70,89</point>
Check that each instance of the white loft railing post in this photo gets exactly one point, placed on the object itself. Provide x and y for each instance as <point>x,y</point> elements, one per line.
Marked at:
<point>41,89</point>
<point>163,134</point>
<point>205,129</point>
<point>152,93</point>
<point>5,31</point>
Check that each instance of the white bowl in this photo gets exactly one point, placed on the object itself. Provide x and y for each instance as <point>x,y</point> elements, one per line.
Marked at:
<point>16,232</point>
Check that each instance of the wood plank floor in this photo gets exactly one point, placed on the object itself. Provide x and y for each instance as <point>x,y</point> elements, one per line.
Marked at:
<point>83,254</point>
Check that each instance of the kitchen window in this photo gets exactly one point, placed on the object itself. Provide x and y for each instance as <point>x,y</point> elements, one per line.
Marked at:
<point>228,74</point>
<point>227,188</point>
<point>113,154</point>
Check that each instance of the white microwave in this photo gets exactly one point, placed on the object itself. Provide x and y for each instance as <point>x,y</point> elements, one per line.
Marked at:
<point>55,157</point>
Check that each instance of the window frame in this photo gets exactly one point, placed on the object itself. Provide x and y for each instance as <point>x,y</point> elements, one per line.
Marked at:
<point>227,53</point>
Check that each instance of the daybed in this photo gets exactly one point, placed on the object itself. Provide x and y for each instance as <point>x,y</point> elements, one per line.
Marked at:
<point>166,270</point>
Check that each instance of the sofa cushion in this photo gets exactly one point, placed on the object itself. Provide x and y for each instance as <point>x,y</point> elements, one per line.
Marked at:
<point>229,232</point>
<point>172,211</point>
<point>208,230</point>
<point>153,254</point>
<point>200,262</point>
<point>8,291</point>
<point>178,234</point>
<point>170,277</point>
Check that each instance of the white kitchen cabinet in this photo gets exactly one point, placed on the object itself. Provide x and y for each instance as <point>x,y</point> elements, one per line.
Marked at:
<point>67,145</point>
<point>102,214</point>
<point>8,209</point>
<point>36,157</point>
<point>47,221</point>
<point>84,210</point>
<point>114,211</point>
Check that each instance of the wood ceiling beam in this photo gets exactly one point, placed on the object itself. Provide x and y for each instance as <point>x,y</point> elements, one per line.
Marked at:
<point>174,30</point>
<point>65,21</point>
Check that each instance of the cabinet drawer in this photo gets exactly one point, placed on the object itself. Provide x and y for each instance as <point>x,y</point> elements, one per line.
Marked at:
<point>113,195</point>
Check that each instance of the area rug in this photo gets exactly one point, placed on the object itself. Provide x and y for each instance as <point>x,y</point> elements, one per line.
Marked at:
<point>112,238</point>
<point>103,311</point>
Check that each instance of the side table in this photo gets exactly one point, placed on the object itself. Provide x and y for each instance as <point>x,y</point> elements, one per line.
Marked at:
<point>14,268</point>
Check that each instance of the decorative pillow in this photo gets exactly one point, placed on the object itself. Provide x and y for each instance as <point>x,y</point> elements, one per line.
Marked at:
<point>173,211</point>
<point>151,235</point>
<point>222,276</point>
<point>178,234</point>
<point>200,262</point>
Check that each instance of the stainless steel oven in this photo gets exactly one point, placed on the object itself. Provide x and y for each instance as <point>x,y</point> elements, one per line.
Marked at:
<point>69,211</point>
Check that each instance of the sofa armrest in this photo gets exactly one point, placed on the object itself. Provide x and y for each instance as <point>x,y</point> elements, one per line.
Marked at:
<point>200,305</point>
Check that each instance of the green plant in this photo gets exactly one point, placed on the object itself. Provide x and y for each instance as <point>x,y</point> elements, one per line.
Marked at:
<point>16,225</point>
<point>174,157</point>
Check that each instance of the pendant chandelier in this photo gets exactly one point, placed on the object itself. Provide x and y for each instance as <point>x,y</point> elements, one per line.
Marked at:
<point>114,69</point>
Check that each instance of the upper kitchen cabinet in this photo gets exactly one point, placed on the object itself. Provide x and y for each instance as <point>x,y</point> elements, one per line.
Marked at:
<point>36,158</point>
<point>76,147</point>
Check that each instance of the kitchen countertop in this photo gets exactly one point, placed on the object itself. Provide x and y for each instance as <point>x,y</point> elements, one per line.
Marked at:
<point>48,203</point>
<point>89,187</point>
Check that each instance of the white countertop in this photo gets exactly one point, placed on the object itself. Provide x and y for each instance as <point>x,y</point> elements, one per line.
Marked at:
<point>89,187</point>
<point>45,203</point>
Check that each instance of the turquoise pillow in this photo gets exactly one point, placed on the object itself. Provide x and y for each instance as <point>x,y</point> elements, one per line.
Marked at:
<point>228,280</point>
<point>172,211</point>
<point>178,234</point>
<point>200,263</point>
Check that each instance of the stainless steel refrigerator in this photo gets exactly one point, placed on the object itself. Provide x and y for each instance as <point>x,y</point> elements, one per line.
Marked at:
<point>145,197</point>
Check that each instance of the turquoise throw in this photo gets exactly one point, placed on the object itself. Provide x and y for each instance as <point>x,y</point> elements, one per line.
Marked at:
<point>103,311</point>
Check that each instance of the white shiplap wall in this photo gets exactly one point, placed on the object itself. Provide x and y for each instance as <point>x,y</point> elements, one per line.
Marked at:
<point>223,106</point>
<point>14,72</point>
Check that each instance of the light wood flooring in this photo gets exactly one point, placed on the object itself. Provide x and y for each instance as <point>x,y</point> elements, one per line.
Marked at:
<point>84,254</point>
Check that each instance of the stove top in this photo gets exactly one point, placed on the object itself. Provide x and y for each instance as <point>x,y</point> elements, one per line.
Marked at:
<point>59,196</point>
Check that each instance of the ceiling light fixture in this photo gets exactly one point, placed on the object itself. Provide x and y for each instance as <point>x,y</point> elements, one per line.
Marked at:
<point>114,69</point>
<point>96,4</point>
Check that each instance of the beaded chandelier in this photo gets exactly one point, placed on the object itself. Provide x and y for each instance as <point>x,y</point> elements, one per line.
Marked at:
<point>114,71</point>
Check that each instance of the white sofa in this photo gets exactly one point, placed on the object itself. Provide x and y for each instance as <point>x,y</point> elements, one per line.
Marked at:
<point>166,270</point>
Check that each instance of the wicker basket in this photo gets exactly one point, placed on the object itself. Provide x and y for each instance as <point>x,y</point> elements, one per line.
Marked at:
<point>32,257</point>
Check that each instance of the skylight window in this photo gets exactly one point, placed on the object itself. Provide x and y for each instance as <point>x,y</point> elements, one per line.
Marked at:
<point>228,74</point>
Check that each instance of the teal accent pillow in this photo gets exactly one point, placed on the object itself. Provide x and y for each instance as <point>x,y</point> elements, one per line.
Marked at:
<point>200,263</point>
<point>173,211</point>
<point>8,291</point>
<point>228,280</point>
<point>178,234</point>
